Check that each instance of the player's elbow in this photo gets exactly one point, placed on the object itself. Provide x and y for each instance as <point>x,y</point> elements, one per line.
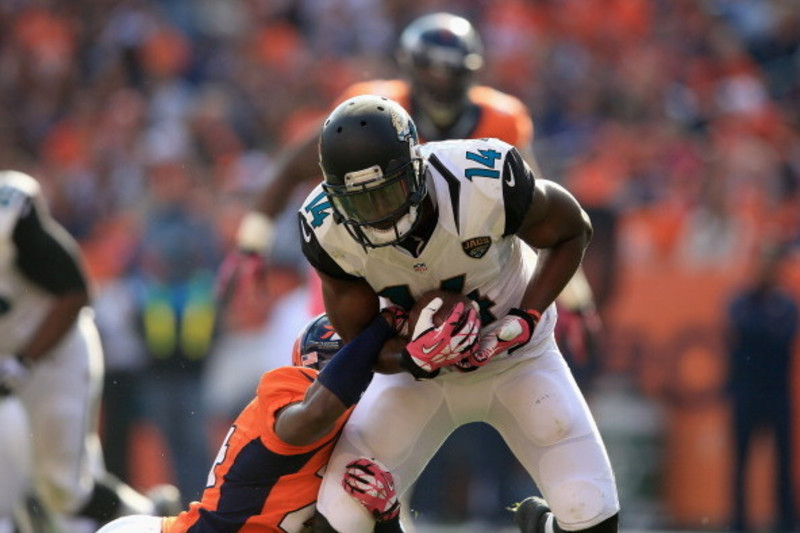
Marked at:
<point>587,229</point>
<point>320,416</point>
<point>311,420</point>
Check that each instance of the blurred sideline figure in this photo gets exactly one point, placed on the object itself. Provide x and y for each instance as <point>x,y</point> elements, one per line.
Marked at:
<point>266,475</point>
<point>762,331</point>
<point>51,360</point>
<point>175,309</point>
<point>440,56</point>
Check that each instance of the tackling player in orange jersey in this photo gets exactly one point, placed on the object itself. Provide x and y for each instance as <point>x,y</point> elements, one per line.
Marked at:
<point>269,467</point>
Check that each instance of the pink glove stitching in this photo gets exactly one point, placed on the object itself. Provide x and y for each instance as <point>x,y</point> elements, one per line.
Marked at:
<point>435,347</point>
<point>372,485</point>
<point>510,333</point>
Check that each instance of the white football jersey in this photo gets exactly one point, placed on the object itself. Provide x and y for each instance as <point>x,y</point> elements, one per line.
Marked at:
<point>22,303</point>
<point>482,189</point>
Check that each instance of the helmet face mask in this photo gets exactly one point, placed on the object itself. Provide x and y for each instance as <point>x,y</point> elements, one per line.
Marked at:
<point>373,171</point>
<point>316,344</point>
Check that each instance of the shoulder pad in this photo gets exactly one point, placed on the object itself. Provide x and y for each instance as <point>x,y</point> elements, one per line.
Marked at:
<point>16,190</point>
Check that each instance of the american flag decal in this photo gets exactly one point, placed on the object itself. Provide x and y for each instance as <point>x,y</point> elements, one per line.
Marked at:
<point>420,267</point>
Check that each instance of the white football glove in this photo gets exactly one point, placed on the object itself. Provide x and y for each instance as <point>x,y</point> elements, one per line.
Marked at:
<point>506,335</point>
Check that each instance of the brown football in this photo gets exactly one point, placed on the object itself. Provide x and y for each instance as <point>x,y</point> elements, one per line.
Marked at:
<point>450,299</point>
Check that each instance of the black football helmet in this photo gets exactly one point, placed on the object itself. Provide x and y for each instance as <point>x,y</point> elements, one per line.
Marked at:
<point>316,344</point>
<point>374,176</point>
<point>440,54</point>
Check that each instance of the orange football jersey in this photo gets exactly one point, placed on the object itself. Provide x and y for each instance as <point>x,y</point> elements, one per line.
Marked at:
<point>259,483</point>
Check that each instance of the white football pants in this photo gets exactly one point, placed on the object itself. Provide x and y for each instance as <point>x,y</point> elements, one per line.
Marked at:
<point>133,524</point>
<point>533,401</point>
<point>62,401</point>
<point>15,456</point>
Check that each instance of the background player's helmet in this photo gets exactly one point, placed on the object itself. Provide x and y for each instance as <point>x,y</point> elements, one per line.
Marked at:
<point>316,344</point>
<point>440,54</point>
<point>374,177</point>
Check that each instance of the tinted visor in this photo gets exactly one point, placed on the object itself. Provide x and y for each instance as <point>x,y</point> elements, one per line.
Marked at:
<point>374,201</point>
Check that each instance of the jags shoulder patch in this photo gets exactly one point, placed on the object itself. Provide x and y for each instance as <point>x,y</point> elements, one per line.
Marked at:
<point>476,247</point>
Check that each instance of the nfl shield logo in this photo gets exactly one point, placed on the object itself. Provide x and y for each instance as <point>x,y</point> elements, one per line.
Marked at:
<point>477,246</point>
<point>420,267</point>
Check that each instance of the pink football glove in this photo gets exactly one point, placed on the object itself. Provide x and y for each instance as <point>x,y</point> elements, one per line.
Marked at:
<point>432,348</point>
<point>372,484</point>
<point>240,267</point>
<point>507,334</point>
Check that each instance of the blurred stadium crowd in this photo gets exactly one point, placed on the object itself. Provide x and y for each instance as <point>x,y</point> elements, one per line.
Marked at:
<point>150,124</point>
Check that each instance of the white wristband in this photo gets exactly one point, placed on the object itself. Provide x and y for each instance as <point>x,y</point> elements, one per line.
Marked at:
<point>255,232</point>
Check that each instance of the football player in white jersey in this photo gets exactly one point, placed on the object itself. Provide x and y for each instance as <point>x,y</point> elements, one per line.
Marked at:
<point>52,361</point>
<point>394,219</point>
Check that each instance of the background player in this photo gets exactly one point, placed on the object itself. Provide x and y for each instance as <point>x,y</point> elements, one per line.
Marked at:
<point>52,360</point>
<point>267,473</point>
<point>395,219</point>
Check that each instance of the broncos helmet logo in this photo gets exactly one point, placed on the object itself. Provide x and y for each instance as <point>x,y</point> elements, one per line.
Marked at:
<point>316,343</point>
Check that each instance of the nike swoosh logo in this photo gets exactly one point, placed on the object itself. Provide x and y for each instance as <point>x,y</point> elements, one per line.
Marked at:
<point>304,231</point>
<point>512,180</point>
<point>428,349</point>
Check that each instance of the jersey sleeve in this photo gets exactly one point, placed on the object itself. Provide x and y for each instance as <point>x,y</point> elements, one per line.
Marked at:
<point>277,389</point>
<point>317,256</point>
<point>324,242</point>
<point>17,192</point>
<point>518,187</point>
<point>503,116</point>
<point>45,253</point>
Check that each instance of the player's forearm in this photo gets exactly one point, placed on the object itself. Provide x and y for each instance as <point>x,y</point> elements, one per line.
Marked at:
<point>339,385</point>
<point>389,358</point>
<point>307,422</point>
<point>554,269</point>
<point>297,164</point>
<point>294,166</point>
<point>58,321</point>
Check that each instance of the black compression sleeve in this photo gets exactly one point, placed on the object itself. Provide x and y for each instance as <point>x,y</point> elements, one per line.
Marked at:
<point>349,372</point>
